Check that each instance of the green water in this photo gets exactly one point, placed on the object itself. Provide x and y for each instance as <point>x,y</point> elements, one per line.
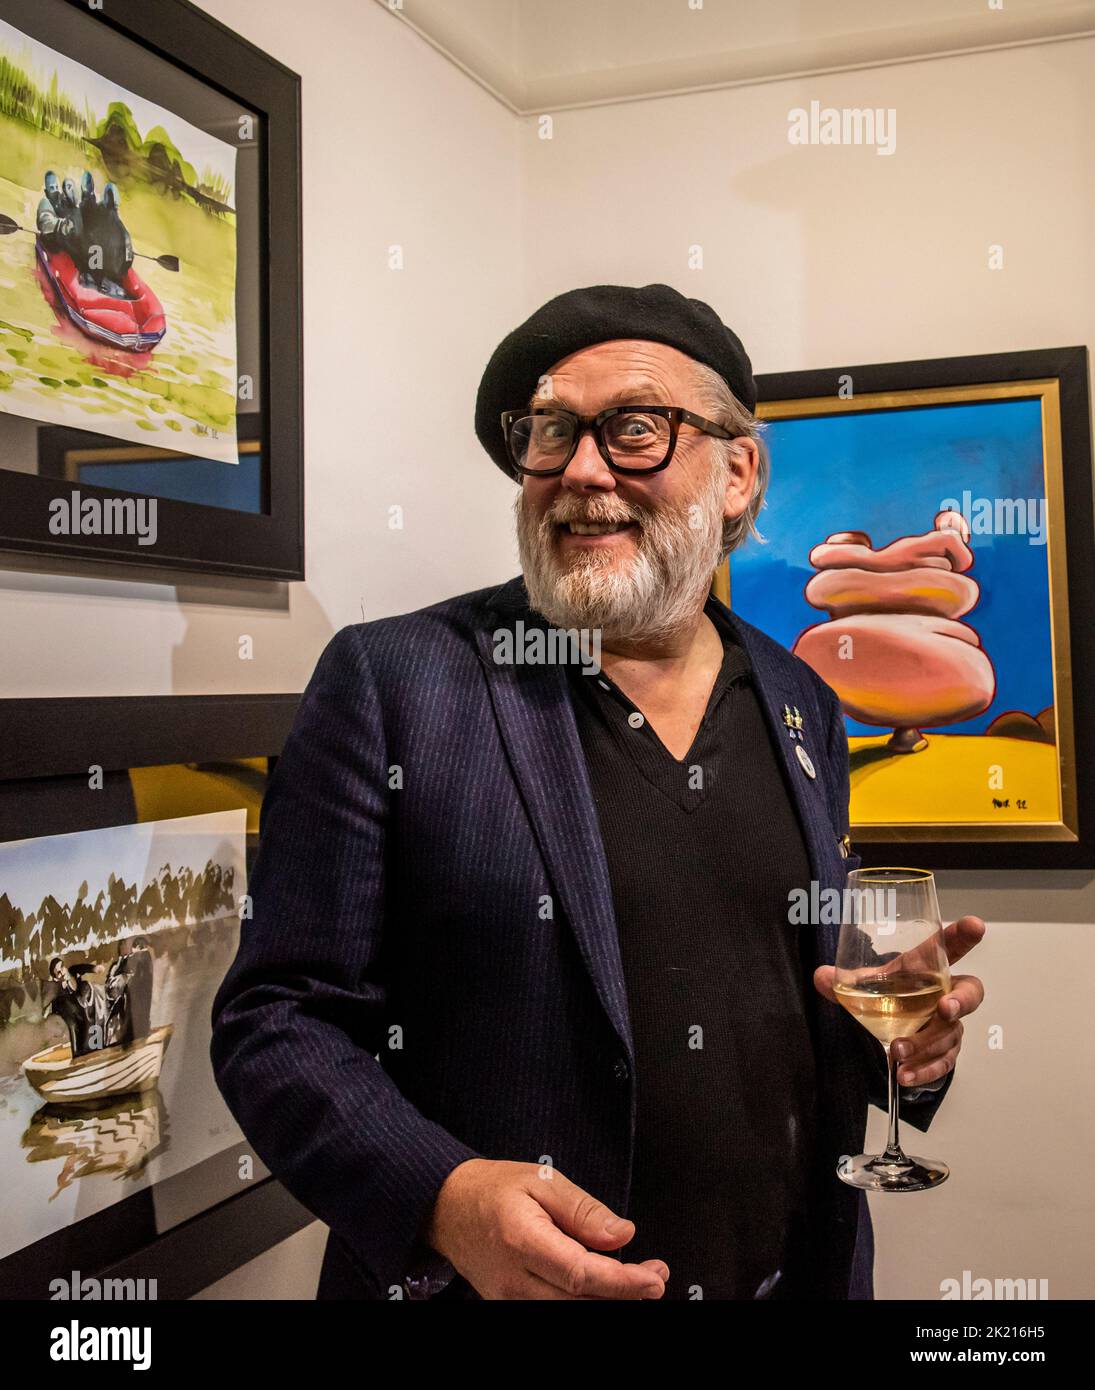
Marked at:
<point>182,396</point>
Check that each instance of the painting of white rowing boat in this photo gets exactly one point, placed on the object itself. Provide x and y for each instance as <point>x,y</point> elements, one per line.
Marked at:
<point>112,945</point>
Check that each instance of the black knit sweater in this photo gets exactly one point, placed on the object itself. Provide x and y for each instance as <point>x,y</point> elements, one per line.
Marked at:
<point>702,854</point>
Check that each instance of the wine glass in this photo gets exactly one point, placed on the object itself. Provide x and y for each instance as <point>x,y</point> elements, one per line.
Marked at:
<point>891,972</point>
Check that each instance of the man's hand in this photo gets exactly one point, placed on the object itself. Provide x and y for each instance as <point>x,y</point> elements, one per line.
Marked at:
<point>932,1051</point>
<point>519,1230</point>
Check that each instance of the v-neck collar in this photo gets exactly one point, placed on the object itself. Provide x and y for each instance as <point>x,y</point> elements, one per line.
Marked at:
<point>675,778</point>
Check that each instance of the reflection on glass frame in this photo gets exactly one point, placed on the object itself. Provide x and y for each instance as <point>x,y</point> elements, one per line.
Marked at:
<point>80,458</point>
<point>928,551</point>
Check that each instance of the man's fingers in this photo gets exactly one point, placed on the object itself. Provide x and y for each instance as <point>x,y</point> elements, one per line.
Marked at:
<point>927,1051</point>
<point>928,1071</point>
<point>541,1288</point>
<point>962,936</point>
<point>555,1257</point>
<point>549,1240</point>
<point>578,1212</point>
<point>824,976</point>
<point>966,992</point>
<point>941,1037</point>
<point>930,1041</point>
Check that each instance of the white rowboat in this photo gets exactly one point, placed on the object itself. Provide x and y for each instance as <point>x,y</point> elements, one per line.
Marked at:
<point>112,1071</point>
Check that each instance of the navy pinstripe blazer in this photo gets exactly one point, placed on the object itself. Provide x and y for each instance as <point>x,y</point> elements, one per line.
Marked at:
<point>402,1000</point>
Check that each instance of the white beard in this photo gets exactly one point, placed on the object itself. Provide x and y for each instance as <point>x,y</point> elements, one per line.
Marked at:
<point>649,597</point>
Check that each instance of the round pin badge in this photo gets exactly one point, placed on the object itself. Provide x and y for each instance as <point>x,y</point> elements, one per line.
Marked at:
<point>804,759</point>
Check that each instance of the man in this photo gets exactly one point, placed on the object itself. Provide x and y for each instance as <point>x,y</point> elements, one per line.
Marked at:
<point>520,1012</point>
<point>139,968</point>
<point>81,1005</point>
<point>58,221</point>
<point>119,1024</point>
<point>108,251</point>
<point>129,992</point>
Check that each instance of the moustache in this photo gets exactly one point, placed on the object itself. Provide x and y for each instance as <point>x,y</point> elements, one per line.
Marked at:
<point>593,516</point>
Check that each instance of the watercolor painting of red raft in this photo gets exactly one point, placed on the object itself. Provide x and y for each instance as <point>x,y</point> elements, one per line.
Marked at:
<point>906,558</point>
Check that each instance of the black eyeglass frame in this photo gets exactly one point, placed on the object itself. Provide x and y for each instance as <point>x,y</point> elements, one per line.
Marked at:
<point>675,414</point>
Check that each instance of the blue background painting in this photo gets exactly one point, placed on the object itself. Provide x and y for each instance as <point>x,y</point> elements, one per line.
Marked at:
<point>887,473</point>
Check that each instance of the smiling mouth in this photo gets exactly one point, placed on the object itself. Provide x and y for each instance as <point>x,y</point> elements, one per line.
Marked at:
<point>595,528</point>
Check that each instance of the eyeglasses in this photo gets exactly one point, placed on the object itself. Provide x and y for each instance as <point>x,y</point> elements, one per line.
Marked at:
<point>630,438</point>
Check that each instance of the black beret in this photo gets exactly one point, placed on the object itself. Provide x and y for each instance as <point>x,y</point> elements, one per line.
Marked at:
<point>598,314</point>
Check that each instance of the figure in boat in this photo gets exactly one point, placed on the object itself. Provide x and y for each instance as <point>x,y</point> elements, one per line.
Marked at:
<point>86,253</point>
<point>81,1005</point>
<point>128,991</point>
<point>112,1047</point>
<point>91,232</point>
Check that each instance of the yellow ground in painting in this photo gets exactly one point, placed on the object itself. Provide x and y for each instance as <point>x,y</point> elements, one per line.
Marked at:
<point>952,780</point>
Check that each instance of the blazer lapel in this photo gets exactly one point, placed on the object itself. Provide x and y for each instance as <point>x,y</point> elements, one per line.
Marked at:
<point>533,709</point>
<point>776,687</point>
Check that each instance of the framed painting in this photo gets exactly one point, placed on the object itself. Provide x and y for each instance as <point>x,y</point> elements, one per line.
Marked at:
<point>150,291</point>
<point>928,549</point>
<point>123,877</point>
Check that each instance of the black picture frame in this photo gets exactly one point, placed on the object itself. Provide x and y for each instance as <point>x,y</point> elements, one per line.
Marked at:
<point>44,739</point>
<point>1067,369</point>
<point>193,537</point>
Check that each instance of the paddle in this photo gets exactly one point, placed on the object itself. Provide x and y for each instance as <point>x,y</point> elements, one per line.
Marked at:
<point>7,226</point>
<point>168,262</point>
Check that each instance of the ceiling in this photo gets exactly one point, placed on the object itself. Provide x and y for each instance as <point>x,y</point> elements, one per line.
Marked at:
<point>546,55</point>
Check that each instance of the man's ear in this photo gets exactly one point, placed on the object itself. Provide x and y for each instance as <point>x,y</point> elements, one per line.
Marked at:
<point>743,460</point>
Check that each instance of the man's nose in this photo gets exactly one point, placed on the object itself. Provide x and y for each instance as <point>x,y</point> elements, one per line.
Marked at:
<point>587,468</point>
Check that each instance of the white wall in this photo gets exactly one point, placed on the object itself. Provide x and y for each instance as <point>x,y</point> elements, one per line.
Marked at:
<point>822,255</point>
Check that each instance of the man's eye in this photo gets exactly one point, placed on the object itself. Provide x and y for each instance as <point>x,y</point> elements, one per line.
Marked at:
<point>549,434</point>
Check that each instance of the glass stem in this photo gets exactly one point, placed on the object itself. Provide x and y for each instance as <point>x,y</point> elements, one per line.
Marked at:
<point>893,1152</point>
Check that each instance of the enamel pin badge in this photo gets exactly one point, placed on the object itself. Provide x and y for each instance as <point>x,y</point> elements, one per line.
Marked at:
<point>793,722</point>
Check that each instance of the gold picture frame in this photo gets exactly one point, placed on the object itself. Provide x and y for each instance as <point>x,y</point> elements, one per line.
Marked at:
<point>1053,387</point>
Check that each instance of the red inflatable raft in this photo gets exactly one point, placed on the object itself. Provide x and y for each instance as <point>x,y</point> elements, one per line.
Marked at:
<point>136,324</point>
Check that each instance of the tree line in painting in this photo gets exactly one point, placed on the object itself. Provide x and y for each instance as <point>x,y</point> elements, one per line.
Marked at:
<point>54,928</point>
<point>154,158</point>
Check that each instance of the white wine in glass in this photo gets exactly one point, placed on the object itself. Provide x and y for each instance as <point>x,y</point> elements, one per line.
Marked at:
<point>891,972</point>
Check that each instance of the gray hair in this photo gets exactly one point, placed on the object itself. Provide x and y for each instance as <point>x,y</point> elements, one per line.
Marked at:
<point>719,404</point>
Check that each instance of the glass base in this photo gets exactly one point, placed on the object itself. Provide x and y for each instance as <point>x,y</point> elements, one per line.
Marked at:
<point>876,1174</point>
